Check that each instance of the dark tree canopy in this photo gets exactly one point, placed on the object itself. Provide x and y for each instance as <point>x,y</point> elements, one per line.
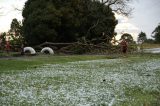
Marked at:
<point>2,40</point>
<point>142,37</point>
<point>16,27</point>
<point>16,32</point>
<point>127,37</point>
<point>66,20</point>
<point>156,34</point>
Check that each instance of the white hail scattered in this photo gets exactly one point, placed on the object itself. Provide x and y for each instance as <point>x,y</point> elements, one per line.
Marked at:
<point>79,83</point>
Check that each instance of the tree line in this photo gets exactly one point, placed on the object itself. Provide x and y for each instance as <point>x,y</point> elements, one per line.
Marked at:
<point>67,21</point>
<point>71,21</point>
<point>155,35</point>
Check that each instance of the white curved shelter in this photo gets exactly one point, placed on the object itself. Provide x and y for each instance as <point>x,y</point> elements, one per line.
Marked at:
<point>29,49</point>
<point>47,50</point>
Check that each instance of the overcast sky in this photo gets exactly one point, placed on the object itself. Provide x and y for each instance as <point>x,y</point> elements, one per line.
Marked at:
<point>145,16</point>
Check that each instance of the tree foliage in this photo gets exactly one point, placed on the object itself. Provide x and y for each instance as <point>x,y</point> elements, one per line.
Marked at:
<point>16,33</point>
<point>142,37</point>
<point>16,27</point>
<point>118,6</point>
<point>127,37</point>
<point>156,34</point>
<point>67,21</point>
<point>2,40</point>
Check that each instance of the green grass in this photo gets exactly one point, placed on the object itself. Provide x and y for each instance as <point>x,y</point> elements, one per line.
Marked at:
<point>16,64</point>
<point>148,46</point>
<point>132,80</point>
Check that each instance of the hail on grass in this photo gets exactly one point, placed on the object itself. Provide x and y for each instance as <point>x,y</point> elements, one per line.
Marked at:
<point>83,83</point>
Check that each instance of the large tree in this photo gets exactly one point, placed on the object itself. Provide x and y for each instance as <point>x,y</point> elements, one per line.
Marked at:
<point>118,6</point>
<point>142,37</point>
<point>66,21</point>
<point>2,40</point>
<point>16,32</point>
<point>156,34</point>
<point>16,27</point>
<point>128,37</point>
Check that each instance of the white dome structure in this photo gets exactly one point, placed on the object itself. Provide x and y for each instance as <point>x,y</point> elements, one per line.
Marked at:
<point>47,50</point>
<point>30,49</point>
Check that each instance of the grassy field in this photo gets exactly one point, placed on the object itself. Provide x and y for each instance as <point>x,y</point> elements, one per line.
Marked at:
<point>80,80</point>
<point>17,64</point>
<point>148,46</point>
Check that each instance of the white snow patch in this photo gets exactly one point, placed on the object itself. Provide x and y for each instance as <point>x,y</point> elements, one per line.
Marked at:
<point>153,50</point>
<point>83,83</point>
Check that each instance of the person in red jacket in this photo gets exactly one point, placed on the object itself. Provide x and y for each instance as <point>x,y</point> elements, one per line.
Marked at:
<point>124,46</point>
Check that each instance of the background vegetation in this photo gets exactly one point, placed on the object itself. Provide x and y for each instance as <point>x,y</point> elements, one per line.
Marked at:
<point>67,21</point>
